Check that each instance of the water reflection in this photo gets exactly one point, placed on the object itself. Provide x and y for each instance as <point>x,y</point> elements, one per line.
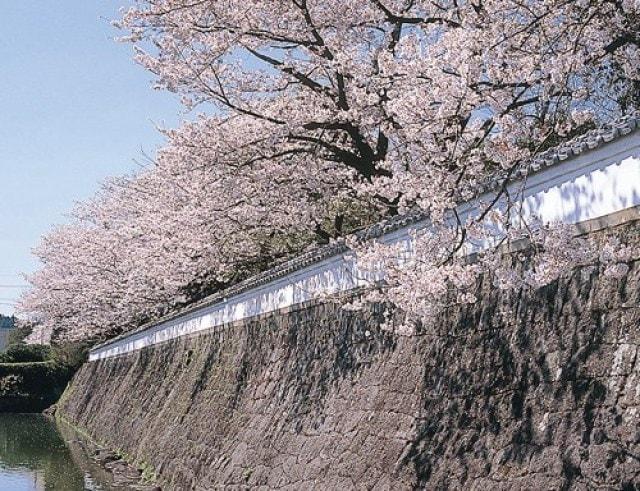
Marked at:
<point>34,457</point>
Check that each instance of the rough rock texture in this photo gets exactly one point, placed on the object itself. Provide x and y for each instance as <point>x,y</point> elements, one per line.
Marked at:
<point>533,390</point>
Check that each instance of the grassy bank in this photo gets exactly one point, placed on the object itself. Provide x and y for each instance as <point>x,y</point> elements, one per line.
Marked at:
<point>28,387</point>
<point>33,377</point>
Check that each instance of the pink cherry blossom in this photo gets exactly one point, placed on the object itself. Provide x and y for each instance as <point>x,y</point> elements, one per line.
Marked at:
<point>306,111</point>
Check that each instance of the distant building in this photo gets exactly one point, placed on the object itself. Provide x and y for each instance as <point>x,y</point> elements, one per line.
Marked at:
<point>7,326</point>
<point>7,322</point>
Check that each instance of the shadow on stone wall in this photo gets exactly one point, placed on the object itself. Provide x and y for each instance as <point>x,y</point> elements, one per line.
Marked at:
<point>533,390</point>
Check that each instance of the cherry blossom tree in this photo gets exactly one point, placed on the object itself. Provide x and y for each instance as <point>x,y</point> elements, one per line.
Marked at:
<point>419,99</point>
<point>153,241</point>
<point>311,109</point>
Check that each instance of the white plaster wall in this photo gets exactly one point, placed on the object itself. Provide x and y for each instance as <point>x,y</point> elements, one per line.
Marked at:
<point>592,185</point>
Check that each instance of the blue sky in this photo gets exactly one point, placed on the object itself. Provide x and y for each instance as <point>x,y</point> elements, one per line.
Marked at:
<point>74,109</point>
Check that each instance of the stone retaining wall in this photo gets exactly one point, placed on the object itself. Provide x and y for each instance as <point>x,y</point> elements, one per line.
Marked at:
<point>528,390</point>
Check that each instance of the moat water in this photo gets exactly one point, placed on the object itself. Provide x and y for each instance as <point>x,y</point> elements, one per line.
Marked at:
<point>38,454</point>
